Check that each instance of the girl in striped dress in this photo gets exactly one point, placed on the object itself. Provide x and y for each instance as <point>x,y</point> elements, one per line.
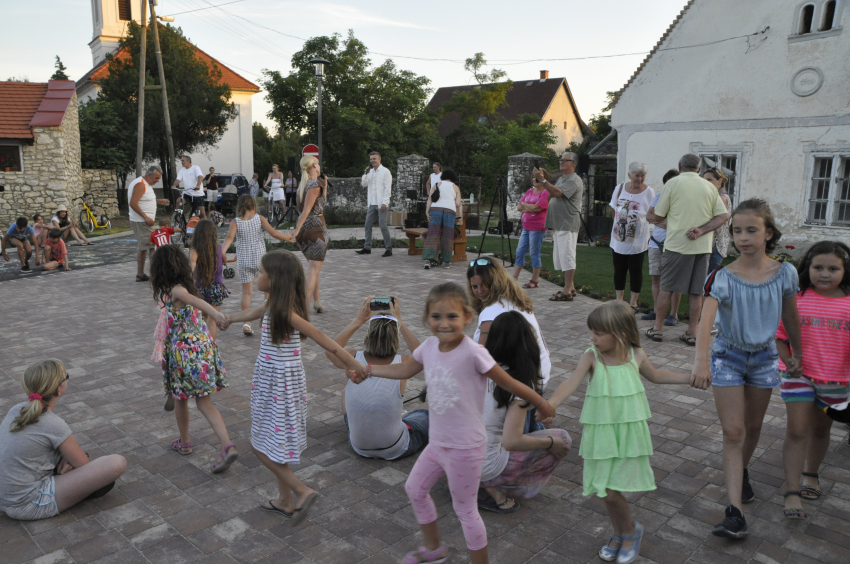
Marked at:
<point>279,387</point>
<point>248,229</point>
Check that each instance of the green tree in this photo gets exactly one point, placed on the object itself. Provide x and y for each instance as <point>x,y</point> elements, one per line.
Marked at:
<point>273,149</point>
<point>198,101</point>
<point>60,70</point>
<point>484,100</point>
<point>364,108</point>
<point>601,123</point>
<point>103,142</point>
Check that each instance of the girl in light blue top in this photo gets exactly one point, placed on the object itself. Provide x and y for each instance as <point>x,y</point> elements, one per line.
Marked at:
<point>748,297</point>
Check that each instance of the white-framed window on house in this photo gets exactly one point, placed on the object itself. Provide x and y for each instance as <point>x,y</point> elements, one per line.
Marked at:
<point>814,19</point>
<point>730,163</point>
<point>829,190</point>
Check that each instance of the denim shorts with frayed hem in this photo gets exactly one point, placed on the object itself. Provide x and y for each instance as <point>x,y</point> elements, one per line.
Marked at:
<point>733,367</point>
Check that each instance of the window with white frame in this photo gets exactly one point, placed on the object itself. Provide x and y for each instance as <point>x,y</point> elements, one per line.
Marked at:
<point>729,162</point>
<point>817,18</point>
<point>829,190</point>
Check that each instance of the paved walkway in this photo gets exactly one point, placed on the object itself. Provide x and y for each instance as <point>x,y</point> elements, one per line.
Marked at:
<point>169,509</point>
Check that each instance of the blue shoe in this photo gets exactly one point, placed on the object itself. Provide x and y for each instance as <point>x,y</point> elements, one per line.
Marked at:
<point>627,556</point>
<point>609,554</point>
<point>648,316</point>
<point>671,321</point>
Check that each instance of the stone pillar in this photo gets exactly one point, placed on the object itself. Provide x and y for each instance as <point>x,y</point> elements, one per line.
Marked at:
<point>519,179</point>
<point>408,177</point>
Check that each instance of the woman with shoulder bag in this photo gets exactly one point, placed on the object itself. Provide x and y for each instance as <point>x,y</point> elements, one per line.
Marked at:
<point>443,207</point>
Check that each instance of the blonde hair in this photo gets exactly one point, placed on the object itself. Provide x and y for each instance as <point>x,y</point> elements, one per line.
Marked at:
<point>447,291</point>
<point>617,319</point>
<point>382,338</point>
<point>306,163</point>
<point>244,204</point>
<point>42,378</point>
<point>503,287</point>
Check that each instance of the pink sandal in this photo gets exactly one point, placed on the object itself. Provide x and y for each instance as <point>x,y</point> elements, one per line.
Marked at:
<point>424,555</point>
<point>228,456</point>
<point>182,448</point>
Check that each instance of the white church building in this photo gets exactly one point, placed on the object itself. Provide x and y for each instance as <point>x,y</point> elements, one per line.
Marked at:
<point>761,88</point>
<point>235,151</point>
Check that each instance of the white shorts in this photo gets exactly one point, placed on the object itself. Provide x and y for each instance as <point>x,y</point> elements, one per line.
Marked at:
<point>212,195</point>
<point>564,250</point>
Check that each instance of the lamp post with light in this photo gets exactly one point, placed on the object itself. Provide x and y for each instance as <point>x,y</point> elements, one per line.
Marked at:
<point>320,63</point>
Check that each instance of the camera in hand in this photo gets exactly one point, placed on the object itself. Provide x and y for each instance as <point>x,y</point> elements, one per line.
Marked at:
<point>381,304</point>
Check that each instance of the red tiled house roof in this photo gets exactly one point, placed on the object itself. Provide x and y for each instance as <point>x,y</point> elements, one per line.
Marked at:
<point>24,105</point>
<point>228,76</point>
<point>651,53</point>
<point>526,97</point>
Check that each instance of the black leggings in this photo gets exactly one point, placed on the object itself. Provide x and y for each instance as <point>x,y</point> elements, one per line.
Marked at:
<point>631,264</point>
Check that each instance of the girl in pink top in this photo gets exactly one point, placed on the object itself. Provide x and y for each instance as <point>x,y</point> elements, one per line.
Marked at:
<point>824,306</point>
<point>456,372</point>
<point>533,205</point>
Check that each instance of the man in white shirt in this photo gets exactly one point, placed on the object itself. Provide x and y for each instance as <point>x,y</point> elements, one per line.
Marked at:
<point>143,203</point>
<point>193,187</point>
<point>378,181</point>
<point>434,178</point>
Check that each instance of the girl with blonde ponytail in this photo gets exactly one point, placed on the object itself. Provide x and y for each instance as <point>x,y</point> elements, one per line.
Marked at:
<point>44,470</point>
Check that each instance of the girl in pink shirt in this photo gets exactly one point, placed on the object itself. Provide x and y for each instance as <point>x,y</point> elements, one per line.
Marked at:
<point>824,306</point>
<point>456,372</point>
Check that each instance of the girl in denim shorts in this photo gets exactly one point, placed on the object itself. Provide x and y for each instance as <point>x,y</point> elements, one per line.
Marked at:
<point>748,297</point>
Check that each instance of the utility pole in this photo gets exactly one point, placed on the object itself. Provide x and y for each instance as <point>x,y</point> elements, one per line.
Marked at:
<point>166,116</point>
<point>140,133</point>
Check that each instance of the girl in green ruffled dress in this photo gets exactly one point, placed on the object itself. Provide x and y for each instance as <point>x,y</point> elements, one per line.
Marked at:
<point>616,445</point>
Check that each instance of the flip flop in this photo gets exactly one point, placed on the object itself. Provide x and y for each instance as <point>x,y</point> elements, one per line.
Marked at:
<point>530,284</point>
<point>273,507</point>
<point>559,296</point>
<point>489,504</point>
<point>301,512</point>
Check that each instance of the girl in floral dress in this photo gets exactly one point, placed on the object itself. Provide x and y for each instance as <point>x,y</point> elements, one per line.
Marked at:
<point>191,366</point>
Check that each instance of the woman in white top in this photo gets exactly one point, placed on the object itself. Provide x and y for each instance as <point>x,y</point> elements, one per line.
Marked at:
<point>275,183</point>
<point>442,207</point>
<point>630,235</point>
<point>373,408</point>
<point>69,228</point>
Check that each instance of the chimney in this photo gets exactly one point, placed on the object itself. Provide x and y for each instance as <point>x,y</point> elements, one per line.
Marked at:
<point>544,75</point>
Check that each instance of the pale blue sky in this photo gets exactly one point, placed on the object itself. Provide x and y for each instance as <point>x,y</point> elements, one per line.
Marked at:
<point>506,32</point>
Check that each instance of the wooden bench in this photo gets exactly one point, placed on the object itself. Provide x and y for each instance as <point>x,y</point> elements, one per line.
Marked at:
<point>459,251</point>
<point>412,234</point>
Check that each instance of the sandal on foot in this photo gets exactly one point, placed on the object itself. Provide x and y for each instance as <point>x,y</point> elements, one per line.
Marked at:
<point>507,506</point>
<point>810,492</point>
<point>689,340</point>
<point>246,330</point>
<point>317,305</point>
<point>559,296</point>
<point>301,512</point>
<point>228,456</point>
<point>182,448</point>
<point>530,284</point>
<point>795,513</point>
<point>423,555</point>
<point>273,507</point>
<point>654,335</point>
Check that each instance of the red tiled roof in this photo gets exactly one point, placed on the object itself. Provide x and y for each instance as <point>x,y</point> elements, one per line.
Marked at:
<point>526,97</point>
<point>228,76</point>
<point>24,105</point>
<point>651,53</point>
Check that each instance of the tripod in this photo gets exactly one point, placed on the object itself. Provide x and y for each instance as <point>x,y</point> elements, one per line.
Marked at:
<point>502,196</point>
<point>291,213</point>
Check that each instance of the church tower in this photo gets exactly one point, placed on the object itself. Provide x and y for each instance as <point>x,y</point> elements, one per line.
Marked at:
<point>109,20</point>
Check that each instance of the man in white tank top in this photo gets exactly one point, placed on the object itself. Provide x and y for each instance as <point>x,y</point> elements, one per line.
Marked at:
<point>434,178</point>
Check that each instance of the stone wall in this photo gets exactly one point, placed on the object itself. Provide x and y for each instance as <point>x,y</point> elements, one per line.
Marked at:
<point>519,179</point>
<point>102,185</point>
<point>51,173</point>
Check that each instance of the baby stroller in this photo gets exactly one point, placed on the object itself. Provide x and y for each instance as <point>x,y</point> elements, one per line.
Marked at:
<point>229,197</point>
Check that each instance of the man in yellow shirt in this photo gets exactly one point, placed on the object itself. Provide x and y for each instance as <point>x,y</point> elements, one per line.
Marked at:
<point>693,210</point>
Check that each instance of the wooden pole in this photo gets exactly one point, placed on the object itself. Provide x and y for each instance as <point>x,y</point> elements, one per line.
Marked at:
<point>140,96</point>
<point>165,115</point>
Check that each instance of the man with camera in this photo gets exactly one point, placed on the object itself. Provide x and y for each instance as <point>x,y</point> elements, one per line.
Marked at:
<point>564,218</point>
<point>378,182</point>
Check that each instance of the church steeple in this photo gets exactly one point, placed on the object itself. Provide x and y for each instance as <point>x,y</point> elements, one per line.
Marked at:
<point>109,21</point>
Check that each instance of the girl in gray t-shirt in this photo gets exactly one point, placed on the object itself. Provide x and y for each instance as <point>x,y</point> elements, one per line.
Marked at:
<point>44,470</point>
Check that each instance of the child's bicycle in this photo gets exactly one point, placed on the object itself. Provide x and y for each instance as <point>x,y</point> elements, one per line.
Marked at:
<point>187,226</point>
<point>88,220</point>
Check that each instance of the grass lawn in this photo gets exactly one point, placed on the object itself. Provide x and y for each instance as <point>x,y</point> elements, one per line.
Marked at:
<point>594,268</point>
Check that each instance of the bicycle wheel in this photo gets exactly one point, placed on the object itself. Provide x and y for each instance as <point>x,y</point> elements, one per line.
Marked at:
<point>86,222</point>
<point>177,220</point>
<point>104,222</point>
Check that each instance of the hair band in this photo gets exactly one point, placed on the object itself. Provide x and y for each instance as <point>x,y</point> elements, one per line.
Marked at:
<point>392,317</point>
<point>35,397</point>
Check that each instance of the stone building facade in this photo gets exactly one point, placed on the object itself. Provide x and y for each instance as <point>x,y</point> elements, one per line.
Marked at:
<point>101,184</point>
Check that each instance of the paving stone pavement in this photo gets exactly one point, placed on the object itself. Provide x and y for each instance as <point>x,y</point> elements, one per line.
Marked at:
<point>170,509</point>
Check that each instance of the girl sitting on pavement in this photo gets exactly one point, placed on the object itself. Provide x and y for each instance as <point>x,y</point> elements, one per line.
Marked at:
<point>279,387</point>
<point>191,366</point>
<point>248,229</point>
<point>206,258</point>
<point>44,470</point>
<point>373,409</point>
<point>516,464</point>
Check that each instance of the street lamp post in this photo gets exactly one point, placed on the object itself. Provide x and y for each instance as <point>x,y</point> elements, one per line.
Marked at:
<point>320,63</point>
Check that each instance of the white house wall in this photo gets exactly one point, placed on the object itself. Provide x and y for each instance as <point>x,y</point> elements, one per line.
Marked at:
<point>234,153</point>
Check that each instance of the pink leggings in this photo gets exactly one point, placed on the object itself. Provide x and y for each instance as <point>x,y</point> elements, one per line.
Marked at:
<point>462,467</point>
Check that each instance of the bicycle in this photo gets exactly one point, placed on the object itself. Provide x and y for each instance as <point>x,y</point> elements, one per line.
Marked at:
<point>178,220</point>
<point>275,212</point>
<point>88,220</point>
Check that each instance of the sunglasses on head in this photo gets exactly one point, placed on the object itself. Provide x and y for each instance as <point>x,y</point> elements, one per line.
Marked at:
<point>480,262</point>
